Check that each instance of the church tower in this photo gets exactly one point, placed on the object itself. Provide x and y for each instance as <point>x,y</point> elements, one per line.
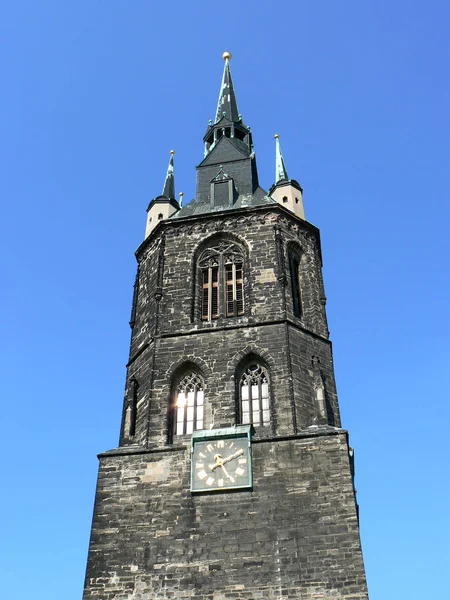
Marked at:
<point>233,478</point>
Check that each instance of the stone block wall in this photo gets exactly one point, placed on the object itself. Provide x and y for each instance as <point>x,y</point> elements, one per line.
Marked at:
<point>295,535</point>
<point>168,329</point>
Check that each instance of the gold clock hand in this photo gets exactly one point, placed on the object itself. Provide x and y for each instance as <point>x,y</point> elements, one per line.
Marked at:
<point>232,456</point>
<point>227,475</point>
<point>219,461</point>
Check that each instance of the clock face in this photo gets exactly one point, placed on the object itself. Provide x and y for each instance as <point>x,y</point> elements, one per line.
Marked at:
<point>218,464</point>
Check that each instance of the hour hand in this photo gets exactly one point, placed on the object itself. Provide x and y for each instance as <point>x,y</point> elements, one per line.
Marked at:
<point>219,462</point>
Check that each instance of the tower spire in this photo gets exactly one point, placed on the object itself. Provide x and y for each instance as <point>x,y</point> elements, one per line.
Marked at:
<point>280,167</point>
<point>169,182</point>
<point>227,98</point>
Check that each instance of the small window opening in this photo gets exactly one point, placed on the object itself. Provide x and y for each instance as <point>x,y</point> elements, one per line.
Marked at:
<point>296,201</point>
<point>160,216</point>
<point>285,198</point>
<point>240,135</point>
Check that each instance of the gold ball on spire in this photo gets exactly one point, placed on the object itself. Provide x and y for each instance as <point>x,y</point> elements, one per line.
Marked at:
<point>172,152</point>
<point>276,136</point>
<point>226,56</point>
<point>181,194</point>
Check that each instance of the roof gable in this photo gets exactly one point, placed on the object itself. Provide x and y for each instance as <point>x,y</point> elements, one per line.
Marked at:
<point>225,150</point>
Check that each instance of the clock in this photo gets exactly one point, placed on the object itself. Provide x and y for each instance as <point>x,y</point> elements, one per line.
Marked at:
<point>221,459</point>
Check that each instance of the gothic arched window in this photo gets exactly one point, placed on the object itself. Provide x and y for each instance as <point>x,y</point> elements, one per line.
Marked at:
<point>254,403</point>
<point>222,286</point>
<point>189,402</point>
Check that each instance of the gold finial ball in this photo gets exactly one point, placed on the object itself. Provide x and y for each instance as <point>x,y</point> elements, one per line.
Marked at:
<point>181,194</point>
<point>172,152</point>
<point>226,56</point>
<point>276,136</point>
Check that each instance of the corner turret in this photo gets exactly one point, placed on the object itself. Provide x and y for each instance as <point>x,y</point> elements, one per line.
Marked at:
<point>287,192</point>
<point>163,206</point>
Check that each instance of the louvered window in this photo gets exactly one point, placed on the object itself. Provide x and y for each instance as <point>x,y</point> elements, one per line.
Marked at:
<point>221,269</point>
<point>189,402</point>
<point>254,396</point>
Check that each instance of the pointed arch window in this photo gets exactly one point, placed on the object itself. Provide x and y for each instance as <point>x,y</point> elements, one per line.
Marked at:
<point>189,404</point>
<point>222,284</point>
<point>254,403</point>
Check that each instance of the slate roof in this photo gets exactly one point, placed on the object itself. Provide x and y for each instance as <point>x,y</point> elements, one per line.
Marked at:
<point>280,167</point>
<point>194,207</point>
<point>230,157</point>
<point>227,98</point>
<point>169,182</point>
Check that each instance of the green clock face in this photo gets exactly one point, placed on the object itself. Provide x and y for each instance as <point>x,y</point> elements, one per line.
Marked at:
<point>220,464</point>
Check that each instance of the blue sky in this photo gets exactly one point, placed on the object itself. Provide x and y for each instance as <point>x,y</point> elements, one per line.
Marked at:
<point>95,94</point>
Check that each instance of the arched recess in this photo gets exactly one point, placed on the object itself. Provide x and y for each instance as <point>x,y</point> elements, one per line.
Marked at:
<point>220,280</point>
<point>254,392</point>
<point>297,263</point>
<point>130,410</point>
<point>187,400</point>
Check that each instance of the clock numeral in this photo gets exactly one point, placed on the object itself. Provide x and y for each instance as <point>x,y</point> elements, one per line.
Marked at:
<point>231,445</point>
<point>239,471</point>
<point>199,465</point>
<point>202,474</point>
<point>210,447</point>
<point>221,444</point>
<point>210,481</point>
<point>242,461</point>
<point>202,455</point>
<point>220,482</point>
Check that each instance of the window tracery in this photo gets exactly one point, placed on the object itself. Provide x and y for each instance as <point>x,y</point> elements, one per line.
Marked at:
<point>189,404</point>
<point>221,270</point>
<point>254,396</point>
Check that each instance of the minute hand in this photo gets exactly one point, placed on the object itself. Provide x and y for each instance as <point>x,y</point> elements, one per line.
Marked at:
<point>233,456</point>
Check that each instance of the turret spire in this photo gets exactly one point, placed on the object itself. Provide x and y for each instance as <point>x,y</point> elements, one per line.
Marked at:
<point>280,167</point>
<point>169,183</point>
<point>287,192</point>
<point>227,99</point>
<point>164,206</point>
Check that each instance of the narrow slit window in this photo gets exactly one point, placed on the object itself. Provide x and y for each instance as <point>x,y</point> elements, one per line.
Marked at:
<point>294,267</point>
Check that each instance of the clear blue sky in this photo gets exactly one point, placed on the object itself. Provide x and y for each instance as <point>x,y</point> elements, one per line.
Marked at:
<point>95,94</point>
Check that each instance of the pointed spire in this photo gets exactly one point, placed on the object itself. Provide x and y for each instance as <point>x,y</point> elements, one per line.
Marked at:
<point>169,183</point>
<point>227,99</point>
<point>280,167</point>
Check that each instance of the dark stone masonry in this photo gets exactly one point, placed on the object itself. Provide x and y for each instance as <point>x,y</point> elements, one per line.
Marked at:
<point>228,328</point>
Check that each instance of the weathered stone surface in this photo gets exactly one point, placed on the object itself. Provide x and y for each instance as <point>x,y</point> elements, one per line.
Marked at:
<point>295,535</point>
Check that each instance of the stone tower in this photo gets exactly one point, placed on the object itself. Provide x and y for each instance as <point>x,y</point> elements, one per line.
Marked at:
<point>233,478</point>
